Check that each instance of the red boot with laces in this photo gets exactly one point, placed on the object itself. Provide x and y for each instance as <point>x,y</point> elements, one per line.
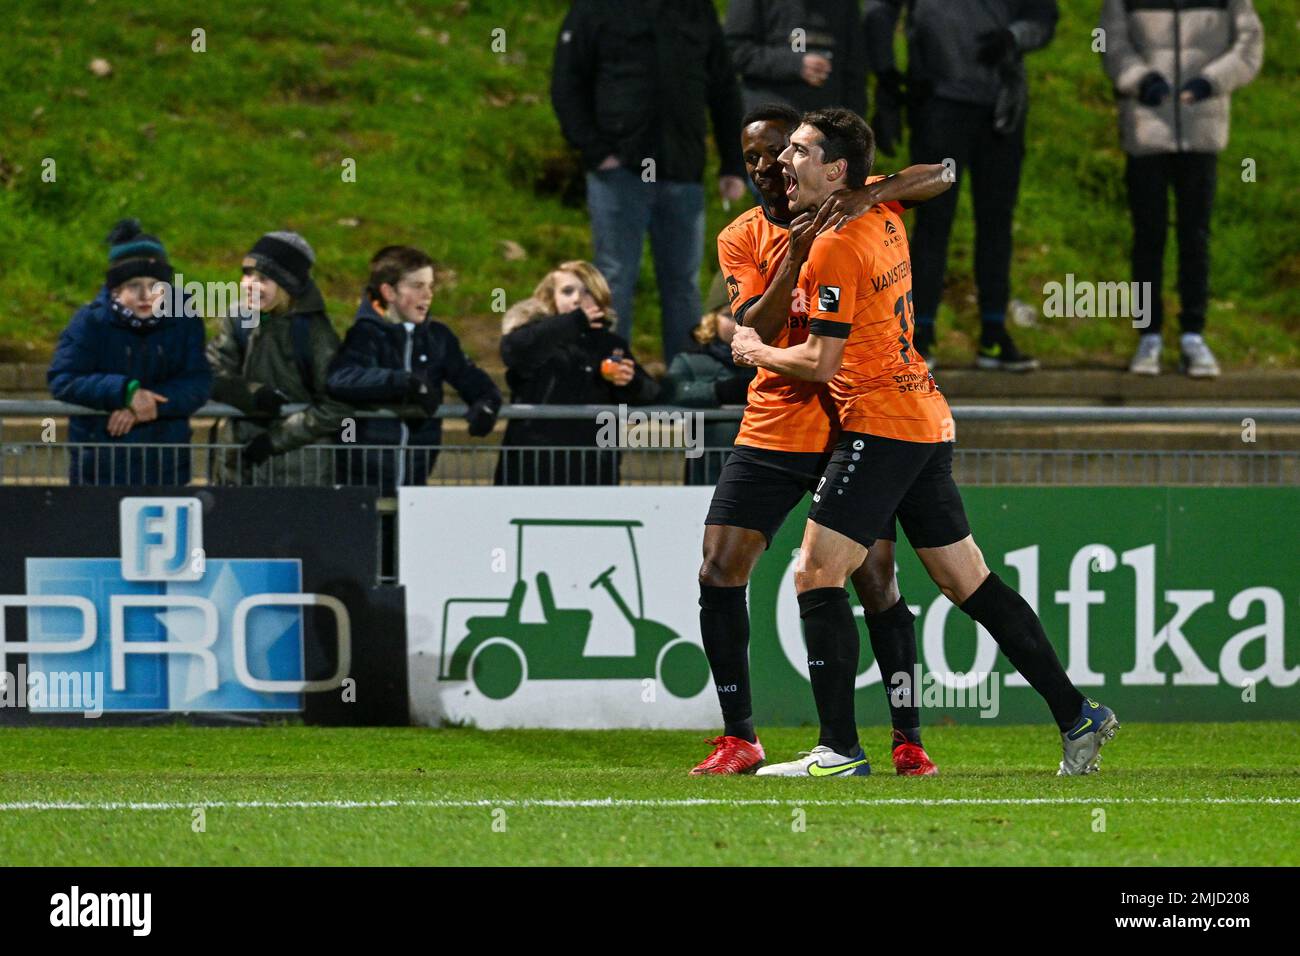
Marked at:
<point>731,755</point>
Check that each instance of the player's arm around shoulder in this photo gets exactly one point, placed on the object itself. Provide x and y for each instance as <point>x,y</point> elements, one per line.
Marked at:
<point>819,357</point>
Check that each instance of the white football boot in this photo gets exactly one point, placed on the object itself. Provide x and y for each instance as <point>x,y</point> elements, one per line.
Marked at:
<point>820,762</point>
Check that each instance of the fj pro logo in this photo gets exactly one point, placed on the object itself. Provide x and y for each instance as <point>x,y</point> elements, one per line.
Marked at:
<point>162,539</point>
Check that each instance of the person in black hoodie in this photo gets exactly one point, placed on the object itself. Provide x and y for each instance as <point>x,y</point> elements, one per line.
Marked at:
<point>395,356</point>
<point>559,350</point>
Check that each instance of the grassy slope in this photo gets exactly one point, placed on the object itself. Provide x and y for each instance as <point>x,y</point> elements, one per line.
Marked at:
<point>189,765</point>
<point>211,149</point>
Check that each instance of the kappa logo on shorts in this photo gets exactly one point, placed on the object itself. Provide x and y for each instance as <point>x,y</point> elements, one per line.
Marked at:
<point>858,444</point>
<point>828,298</point>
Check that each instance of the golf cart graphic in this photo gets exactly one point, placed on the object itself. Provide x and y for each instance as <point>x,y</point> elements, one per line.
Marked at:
<point>498,652</point>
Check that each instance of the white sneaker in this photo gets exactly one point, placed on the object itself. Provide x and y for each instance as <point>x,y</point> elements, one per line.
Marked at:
<point>1146,360</point>
<point>819,762</point>
<point>1197,359</point>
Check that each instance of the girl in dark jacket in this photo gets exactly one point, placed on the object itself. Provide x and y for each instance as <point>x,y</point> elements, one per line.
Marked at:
<point>395,356</point>
<point>559,349</point>
<point>124,354</point>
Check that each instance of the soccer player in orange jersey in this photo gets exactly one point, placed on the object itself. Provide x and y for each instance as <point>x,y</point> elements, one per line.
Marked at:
<point>787,432</point>
<point>893,457</point>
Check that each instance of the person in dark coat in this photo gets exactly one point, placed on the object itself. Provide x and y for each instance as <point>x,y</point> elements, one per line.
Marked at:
<point>275,352</point>
<point>807,54</point>
<point>395,356</point>
<point>559,349</point>
<point>126,354</point>
<point>634,85</point>
<point>967,100</point>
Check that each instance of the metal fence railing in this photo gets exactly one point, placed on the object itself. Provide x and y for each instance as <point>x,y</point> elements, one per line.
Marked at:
<point>34,451</point>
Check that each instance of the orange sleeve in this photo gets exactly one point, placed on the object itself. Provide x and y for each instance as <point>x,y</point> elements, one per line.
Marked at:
<point>832,275</point>
<point>738,260</point>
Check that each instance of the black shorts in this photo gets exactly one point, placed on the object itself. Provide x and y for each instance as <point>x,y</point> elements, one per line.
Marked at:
<point>870,479</point>
<point>759,488</point>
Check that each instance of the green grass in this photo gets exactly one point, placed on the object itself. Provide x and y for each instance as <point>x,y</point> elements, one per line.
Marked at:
<point>495,771</point>
<point>457,150</point>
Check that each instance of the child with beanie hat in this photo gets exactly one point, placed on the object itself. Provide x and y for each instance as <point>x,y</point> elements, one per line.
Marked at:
<point>121,354</point>
<point>284,257</point>
<point>279,358</point>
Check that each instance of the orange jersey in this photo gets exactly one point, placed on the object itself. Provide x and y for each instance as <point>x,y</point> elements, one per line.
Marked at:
<point>858,286</point>
<point>783,414</point>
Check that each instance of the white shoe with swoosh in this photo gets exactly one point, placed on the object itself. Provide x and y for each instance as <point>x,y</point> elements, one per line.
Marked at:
<point>820,762</point>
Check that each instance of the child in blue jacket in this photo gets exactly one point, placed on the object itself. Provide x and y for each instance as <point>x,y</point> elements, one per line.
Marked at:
<point>123,354</point>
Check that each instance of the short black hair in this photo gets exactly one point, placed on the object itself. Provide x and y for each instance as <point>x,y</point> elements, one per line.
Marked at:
<point>772,113</point>
<point>845,135</point>
<point>390,264</point>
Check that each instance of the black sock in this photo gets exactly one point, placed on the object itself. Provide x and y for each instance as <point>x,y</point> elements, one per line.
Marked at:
<point>724,625</point>
<point>831,634</point>
<point>893,641</point>
<point>1019,632</point>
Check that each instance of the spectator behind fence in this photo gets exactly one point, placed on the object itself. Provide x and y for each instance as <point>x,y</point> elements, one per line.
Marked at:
<point>631,85</point>
<point>559,349</point>
<point>396,357</point>
<point>807,55</point>
<point>967,99</point>
<point>126,354</point>
<point>704,376</point>
<point>1174,67</point>
<point>280,356</point>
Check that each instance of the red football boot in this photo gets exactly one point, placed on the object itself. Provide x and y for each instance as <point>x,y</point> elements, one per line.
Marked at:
<point>911,760</point>
<point>731,755</point>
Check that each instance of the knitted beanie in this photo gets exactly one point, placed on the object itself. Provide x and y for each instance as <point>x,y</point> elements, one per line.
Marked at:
<point>286,258</point>
<point>132,253</point>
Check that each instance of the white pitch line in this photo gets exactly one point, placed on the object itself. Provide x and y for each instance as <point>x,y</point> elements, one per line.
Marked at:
<point>617,804</point>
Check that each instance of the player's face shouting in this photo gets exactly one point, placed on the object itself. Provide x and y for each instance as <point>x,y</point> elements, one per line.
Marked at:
<point>762,144</point>
<point>805,174</point>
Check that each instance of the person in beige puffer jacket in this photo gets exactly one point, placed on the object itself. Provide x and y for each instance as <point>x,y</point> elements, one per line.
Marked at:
<point>1174,65</point>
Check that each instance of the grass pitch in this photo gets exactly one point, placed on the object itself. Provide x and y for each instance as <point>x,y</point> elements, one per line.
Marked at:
<point>1168,795</point>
